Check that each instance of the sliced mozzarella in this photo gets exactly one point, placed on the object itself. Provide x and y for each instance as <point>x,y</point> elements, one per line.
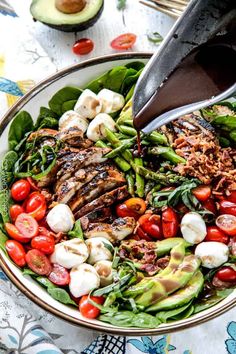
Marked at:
<point>193,228</point>
<point>104,270</point>
<point>88,104</point>
<point>72,119</point>
<point>111,101</point>
<point>70,253</point>
<point>96,128</point>
<point>212,254</point>
<point>83,279</point>
<point>60,218</point>
<point>99,249</point>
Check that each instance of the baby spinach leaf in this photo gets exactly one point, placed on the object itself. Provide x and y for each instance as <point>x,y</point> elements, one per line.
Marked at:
<point>205,304</point>
<point>45,282</point>
<point>68,106</point>
<point>65,94</point>
<point>111,80</point>
<point>44,115</point>
<point>77,231</point>
<point>61,295</point>
<point>130,319</point>
<point>49,122</point>
<point>164,316</point>
<point>130,80</point>
<point>137,65</point>
<point>3,239</point>
<point>21,124</point>
<point>28,271</point>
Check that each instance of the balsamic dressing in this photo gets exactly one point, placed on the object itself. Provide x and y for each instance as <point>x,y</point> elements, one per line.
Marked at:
<point>207,71</point>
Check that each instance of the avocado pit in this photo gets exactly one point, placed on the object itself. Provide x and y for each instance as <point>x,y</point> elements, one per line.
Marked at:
<point>70,6</point>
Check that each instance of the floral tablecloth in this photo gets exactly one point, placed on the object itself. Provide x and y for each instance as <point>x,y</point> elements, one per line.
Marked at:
<point>24,327</point>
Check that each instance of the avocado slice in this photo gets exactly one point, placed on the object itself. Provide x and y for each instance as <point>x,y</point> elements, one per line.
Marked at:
<point>46,12</point>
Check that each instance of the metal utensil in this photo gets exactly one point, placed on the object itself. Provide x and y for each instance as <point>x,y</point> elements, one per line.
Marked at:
<point>201,21</point>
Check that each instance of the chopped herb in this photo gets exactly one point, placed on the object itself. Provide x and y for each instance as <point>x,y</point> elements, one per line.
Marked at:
<point>155,37</point>
<point>121,4</point>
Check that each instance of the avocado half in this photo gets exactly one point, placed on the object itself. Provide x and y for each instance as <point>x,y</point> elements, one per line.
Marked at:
<point>46,12</point>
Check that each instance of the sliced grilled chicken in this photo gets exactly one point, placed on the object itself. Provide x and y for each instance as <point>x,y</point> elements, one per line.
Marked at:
<point>116,231</point>
<point>42,133</point>
<point>103,182</point>
<point>99,215</point>
<point>104,200</point>
<point>74,137</point>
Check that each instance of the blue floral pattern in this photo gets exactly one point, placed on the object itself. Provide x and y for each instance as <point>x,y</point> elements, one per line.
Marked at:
<point>231,343</point>
<point>146,345</point>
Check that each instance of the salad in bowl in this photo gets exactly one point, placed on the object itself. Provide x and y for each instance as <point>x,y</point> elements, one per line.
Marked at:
<point>131,237</point>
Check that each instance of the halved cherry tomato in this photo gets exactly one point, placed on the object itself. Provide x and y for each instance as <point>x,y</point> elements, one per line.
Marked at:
<point>227,207</point>
<point>226,274</point>
<point>227,223</point>
<point>16,252</point>
<point>14,233</point>
<point>15,210</point>
<point>88,310</point>
<point>27,225</point>
<point>45,244</point>
<point>210,205</point>
<point>38,262</point>
<point>122,211</point>
<point>151,224</point>
<point>20,190</point>
<point>45,232</point>
<point>215,234</point>
<point>124,41</point>
<point>32,184</point>
<point>232,196</point>
<point>36,205</point>
<point>202,193</point>
<point>59,275</point>
<point>142,235</point>
<point>83,46</point>
<point>138,205</point>
<point>170,223</point>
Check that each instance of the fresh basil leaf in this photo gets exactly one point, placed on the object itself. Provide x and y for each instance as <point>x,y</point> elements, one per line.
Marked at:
<point>155,37</point>
<point>61,295</point>
<point>22,123</point>
<point>77,231</point>
<point>65,94</point>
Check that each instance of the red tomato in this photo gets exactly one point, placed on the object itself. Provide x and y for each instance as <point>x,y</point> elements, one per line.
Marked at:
<point>88,310</point>
<point>32,184</point>
<point>122,211</point>
<point>27,225</point>
<point>142,235</point>
<point>38,262</point>
<point>226,274</point>
<point>83,46</point>
<point>151,224</point>
<point>210,205</point>
<point>215,234</point>
<point>20,190</point>
<point>44,231</point>
<point>14,233</point>
<point>202,193</point>
<point>15,210</point>
<point>16,252</point>
<point>124,41</point>
<point>232,196</point>
<point>227,207</point>
<point>36,205</point>
<point>227,223</point>
<point>170,223</point>
<point>138,205</point>
<point>45,244</point>
<point>59,275</point>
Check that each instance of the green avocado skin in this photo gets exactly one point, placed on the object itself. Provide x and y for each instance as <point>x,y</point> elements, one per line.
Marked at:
<point>76,27</point>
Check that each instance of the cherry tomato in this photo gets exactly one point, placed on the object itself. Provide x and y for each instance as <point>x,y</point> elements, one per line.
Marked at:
<point>36,205</point>
<point>142,235</point>
<point>15,210</point>
<point>215,234</point>
<point>45,232</point>
<point>226,274</point>
<point>124,41</point>
<point>138,205</point>
<point>14,233</point>
<point>38,262</point>
<point>170,223</point>
<point>227,207</point>
<point>151,224</point>
<point>227,223</point>
<point>210,205</point>
<point>16,252</point>
<point>232,196</point>
<point>33,184</point>
<point>20,190</point>
<point>45,244</point>
<point>202,193</point>
<point>88,310</point>
<point>27,225</point>
<point>83,46</point>
<point>122,211</point>
<point>59,275</point>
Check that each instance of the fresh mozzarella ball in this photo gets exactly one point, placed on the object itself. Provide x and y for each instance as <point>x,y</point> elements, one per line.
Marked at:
<point>96,128</point>
<point>70,253</point>
<point>99,249</point>
<point>88,104</point>
<point>60,218</point>
<point>71,119</point>
<point>212,254</point>
<point>193,228</point>
<point>104,270</point>
<point>111,101</point>
<point>83,279</point>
